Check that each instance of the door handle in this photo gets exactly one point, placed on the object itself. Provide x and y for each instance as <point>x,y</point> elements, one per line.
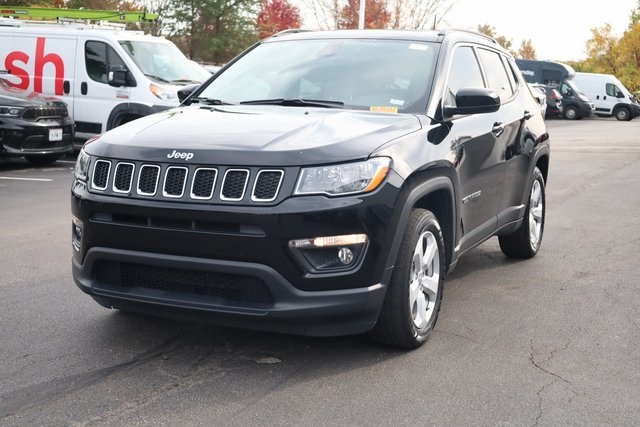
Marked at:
<point>497,129</point>
<point>5,72</point>
<point>604,97</point>
<point>67,87</point>
<point>527,114</point>
<point>83,88</point>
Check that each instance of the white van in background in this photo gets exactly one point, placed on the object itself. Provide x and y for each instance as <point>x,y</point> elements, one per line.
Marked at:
<point>107,76</point>
<point>608,94</point>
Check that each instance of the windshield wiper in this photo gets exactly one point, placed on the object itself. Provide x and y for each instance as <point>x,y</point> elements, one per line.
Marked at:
<point>296,102</point>
<point>209,101</point>
<point>184,81</point>
<point>151,76</point>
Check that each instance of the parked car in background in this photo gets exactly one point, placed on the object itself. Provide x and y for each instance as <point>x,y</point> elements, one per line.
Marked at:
<point>575,104</point>
<point>610,96</point>
<point>32,126</point>
<point>553,100</point>
<point>540,96</point>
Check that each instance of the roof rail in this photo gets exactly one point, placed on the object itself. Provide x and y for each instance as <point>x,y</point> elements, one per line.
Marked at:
<point>464,30</point>
<point>290,31</point>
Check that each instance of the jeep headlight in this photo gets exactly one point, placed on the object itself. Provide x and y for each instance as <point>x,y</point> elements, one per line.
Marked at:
<point>346,178</point>
<point>8,110</point>
<point>82,166</point>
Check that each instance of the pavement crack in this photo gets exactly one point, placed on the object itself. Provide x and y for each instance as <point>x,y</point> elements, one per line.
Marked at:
<point>551,355</point>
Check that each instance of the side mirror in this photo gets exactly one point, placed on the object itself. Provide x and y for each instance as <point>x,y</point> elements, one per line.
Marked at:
<point>474,101</point>
<point>117,76</point>
<point>186,91</point>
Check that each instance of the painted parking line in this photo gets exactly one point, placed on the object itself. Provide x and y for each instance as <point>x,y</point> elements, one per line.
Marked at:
<point>14,178</point>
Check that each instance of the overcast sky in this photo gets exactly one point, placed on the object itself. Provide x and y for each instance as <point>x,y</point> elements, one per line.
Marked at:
<point>558,29</point>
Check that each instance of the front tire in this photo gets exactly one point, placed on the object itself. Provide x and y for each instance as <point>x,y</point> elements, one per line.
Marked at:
<point>623,114</point>
<point>571,113</point>
<point>413,299</point>
<point>525,241</point>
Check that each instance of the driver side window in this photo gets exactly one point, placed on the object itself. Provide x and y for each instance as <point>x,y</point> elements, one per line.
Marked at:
<point>98,58</point>
<point>464,73</point>
<point>612,90</point>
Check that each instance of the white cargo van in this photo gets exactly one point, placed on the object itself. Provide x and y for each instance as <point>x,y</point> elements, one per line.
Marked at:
<point>106,75</point>
<point>608,94</point>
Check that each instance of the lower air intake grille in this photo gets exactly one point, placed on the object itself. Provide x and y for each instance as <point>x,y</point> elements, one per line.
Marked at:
<point>236,287</point>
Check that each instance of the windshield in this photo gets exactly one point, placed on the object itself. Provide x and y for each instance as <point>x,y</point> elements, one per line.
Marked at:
<point>379,75</point>
<point>164,63</point>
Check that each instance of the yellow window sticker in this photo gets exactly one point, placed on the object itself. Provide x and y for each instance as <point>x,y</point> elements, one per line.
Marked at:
<point>383,109</point>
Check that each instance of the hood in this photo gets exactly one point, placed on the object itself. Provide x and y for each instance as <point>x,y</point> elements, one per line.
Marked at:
<point>15,97</point>
<point>254,135</point>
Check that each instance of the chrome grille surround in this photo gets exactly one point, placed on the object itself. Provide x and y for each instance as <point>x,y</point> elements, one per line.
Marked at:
<point>230,184</point>
<point>265,178</point>
<point>144,178</point>
<point>174,177</point>
<point>205,177</point>
<point>123,177</point>
<point>101,174</point>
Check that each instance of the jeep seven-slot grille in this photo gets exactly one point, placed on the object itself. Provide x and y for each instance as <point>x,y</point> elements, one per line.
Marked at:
<point>235,287</point>
<point>197,183</point>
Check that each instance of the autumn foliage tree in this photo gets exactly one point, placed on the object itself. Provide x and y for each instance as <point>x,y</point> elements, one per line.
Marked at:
<point>277,15</point>
<point>526,50</point>
<point>376,14</point>
<point>489,30</point>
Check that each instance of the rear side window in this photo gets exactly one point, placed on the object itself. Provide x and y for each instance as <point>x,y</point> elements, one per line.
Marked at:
<point>464,73</point>
<point>496,74</point>
<point>99,57</point>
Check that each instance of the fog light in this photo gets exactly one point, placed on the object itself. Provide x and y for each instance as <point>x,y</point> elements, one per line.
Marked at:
<point>345,256</point>
<point>330,253</point>
<point>76,234</point>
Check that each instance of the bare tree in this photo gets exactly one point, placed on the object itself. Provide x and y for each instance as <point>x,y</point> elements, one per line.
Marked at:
<point>325,12</point>
<point>418,14</point>
<point>405,14</point>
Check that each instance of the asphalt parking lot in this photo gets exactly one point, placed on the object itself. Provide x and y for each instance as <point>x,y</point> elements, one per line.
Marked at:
<point>550,341</point>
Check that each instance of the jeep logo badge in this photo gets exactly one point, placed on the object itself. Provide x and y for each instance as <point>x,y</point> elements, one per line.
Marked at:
<point>178,155</point>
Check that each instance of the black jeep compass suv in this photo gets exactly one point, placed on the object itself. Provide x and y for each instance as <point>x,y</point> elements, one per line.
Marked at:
<point>322,183</point>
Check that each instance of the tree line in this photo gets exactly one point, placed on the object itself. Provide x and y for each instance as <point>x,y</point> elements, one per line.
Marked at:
<point>215,31</point>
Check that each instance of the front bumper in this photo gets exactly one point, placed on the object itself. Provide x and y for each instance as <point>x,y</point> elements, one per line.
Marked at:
<point>20,137</point>
<point>158,258</point>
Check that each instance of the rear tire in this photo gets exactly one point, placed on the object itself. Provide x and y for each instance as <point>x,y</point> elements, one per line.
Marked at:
<point>413,299</point>
<point>525,241</point>
<point>44,160</point>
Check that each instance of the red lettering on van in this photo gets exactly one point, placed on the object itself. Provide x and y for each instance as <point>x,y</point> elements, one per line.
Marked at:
<point>41,60</point>
<point>14,70</point>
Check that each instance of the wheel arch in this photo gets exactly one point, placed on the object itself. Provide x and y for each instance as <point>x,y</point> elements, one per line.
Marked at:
<point>435,192</point>
<point>127,109</point>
